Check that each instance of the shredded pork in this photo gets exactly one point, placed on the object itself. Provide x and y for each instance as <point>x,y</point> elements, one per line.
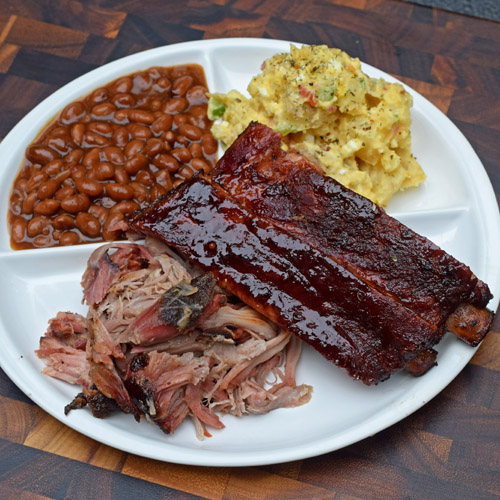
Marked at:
<point>137,353</point>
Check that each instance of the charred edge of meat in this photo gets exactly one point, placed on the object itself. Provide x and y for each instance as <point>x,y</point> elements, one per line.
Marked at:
<point>480,295</point>
<point>469,323</point>
<point>99,404</point>
<point>78,403</point>
<point>183,305</point>
<point>422,363</point>
<point>142,394</point>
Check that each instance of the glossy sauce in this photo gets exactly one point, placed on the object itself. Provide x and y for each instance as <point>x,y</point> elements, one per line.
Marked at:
<point>286,280</point>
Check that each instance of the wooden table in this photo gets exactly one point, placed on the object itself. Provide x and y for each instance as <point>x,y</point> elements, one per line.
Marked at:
<point>449,449</point>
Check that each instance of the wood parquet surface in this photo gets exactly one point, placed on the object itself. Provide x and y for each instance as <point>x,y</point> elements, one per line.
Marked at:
<point>449,449</point>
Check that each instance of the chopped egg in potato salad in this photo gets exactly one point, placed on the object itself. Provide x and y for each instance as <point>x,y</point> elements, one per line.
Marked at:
<point>356,127</point>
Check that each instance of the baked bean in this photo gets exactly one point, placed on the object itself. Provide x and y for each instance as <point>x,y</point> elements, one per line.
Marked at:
<point>79,202</point>
<point>40,154</point>
<point>37,225</point>
<point>141,116</point>
<point>20,184</point>
<point>93,139</point>
<point>91,158</point>
<point>141,192</point>
<point>181,85</point>
<point>181,154</point>
<point>99,212</point>
<point>78,133</point>
<point>178,71</point>
<point>103,110</point>
<point>163,84</point>
<point>157,191</point>
<point>74,157</point>
<point>166,161</point>
<point>186,172</point>
<point>122,85</point>
<point>120,137</point>
<point>35,181</point>
<point>68,182</point>
<point>123,100</point>
<point>162,124</point>
<point>176,105</point>
<point>197,95</point>
<point>121,116</point>
<point>63,222</point>
<point>58,132</point>
<point>15,203</point>
<point>121,175</point>
<point>163,179</point>
<point>119,192</point>
<point>103,171</point>
<point>89,187</point>
<point>101,128</point>
<point>47,189</point>
<point>109,228</point>
<point>78,172</point>
<point>88,224</point>
<point>198,122</point>
<point>198,111</point>
<point>61,145</point>
<point>42,240</point>
<point>177,182</point>
<point>195,150</point>
<point>18,229</point>
<point>72,113</point>
<point>209,144</point>
<point>64,192</point>
<point>153,147</point>
<point>69,238</point>
<point>190,131</point>
<point>180,119</point>
<point>53,167</point>
<point>133,147</point>
<point>99,95</point>
<point>181,141</point>
<point>142,82</point>
<point>136,163</point>
<point>47,207</point>
<point>155,105</point>
<point>199,164</point>
<point>56,234</point>
<point>169,137</point>
<point>145,177</point>
<point>112,154</point>
<point>138,131</point>
<point>125,207</point>
<point>154,72</point>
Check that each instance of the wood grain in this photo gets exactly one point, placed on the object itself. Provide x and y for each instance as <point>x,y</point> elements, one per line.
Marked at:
<point>450,448</point>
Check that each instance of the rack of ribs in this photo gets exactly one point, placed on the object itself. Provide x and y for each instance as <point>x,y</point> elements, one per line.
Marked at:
<point>319,260</point>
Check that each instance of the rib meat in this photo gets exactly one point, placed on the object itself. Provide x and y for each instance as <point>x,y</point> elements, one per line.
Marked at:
<point>316,258</point>
<point>288,189</point>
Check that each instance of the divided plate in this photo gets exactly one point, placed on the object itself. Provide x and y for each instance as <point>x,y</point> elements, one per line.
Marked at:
<point>455,207</point>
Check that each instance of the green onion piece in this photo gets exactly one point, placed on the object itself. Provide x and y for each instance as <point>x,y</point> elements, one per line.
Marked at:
<point>216,109</point>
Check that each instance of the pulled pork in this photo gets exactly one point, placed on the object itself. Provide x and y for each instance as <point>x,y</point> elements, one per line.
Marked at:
<point>162,341</point>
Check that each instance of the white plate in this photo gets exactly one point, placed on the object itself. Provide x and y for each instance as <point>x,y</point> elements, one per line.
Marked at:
<point>455,207</point>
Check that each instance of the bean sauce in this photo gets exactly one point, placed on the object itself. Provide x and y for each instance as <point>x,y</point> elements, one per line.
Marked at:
<point>109,154</point>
